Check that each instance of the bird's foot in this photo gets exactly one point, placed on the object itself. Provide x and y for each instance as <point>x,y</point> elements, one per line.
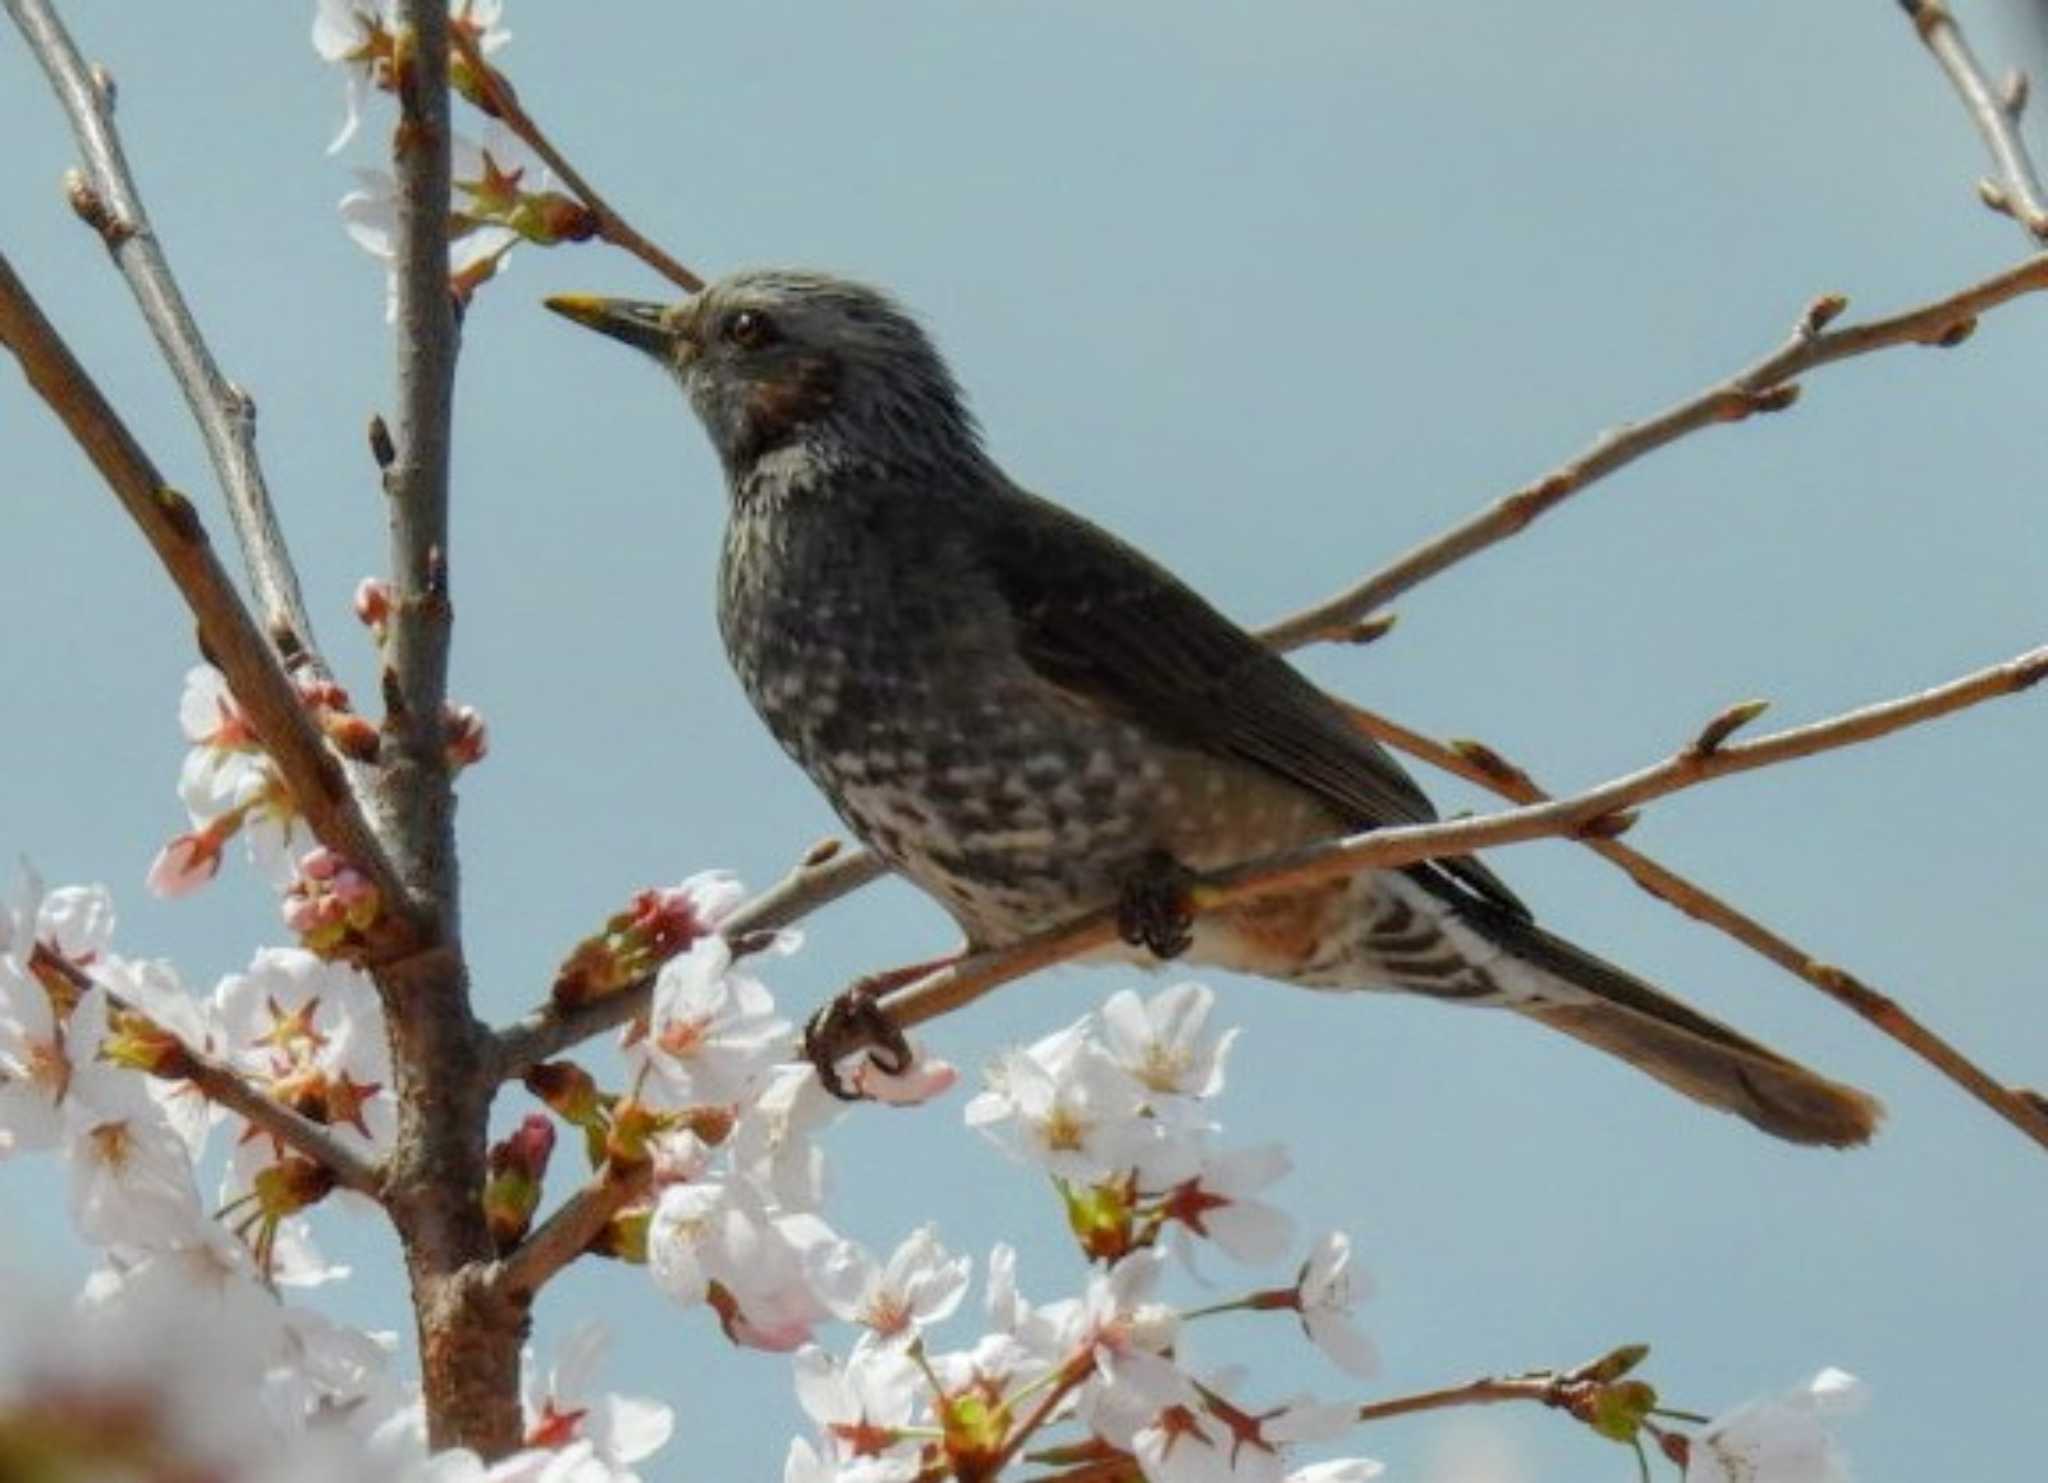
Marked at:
<point>1153,910</point>
<point>856,1021</point>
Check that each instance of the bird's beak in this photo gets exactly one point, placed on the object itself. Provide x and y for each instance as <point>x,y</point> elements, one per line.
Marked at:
<point>643,326</point>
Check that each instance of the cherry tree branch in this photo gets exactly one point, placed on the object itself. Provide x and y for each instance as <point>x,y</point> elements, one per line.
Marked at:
<point>1576,1392</point>
<point>106,197</point>
<point>468,1334</point>
<point>820,878</point>
<point>501,101</point>
<point>221,1083</point>
<point>2016,191</point>
<point>1592,811</point>
<point>1766,386</point>
<point>227,634</point>
<point>1482,765</point>
<point>414,795</point>
<point>1543,1389</point>
<point>568,1232</point>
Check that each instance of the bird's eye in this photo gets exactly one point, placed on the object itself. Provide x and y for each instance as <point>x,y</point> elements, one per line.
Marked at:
<point>750,329</point>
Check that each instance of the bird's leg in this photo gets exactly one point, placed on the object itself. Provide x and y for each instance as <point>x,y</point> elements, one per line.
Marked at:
<point>1152,908</point>
<point>854,1020</point>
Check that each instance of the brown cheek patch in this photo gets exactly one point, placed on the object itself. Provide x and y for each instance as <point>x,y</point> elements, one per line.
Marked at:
<point>777,407</point>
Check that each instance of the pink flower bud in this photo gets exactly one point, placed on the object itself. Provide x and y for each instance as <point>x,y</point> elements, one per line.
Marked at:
<point>512,1192</point>
<point>464,736</point>
<point>373,605</point>
<point>527,1149</point>
<point>353,736</point>
<point>330,904</point>
<point>667,919</point>
<point>187,862</point>
<point>568,1089</point>
<point>322,695</point>
<point>305,915</point>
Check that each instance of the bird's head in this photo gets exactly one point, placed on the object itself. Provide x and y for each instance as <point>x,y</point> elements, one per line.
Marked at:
<point>800,372</point>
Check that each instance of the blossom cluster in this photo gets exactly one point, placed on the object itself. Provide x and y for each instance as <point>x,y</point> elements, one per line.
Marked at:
<point>1118,1111</point>
<point>98,1054</point>
<point>230,786</point>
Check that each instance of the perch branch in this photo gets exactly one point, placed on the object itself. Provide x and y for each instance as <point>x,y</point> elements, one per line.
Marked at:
<point>564,1235</point>
<point>501,101</point>
<point>1766,386</point>
<point>106,197</point>
<point>547,1031</point>
<point>2016,191</point>
<point>227,634</point>
<point>1484,766</point>
<point>971,977</point>
<point>1941,322</point>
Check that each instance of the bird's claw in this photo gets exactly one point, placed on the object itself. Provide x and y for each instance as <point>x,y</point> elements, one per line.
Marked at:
<point>854,1021</point>
<point>1152,910</point>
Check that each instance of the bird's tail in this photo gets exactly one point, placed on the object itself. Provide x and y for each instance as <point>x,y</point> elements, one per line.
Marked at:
<point>1686,1050</point>
<point>1425,936</point>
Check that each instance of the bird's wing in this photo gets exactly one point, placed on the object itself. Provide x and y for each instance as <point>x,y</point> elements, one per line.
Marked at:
<point>1102,621</point>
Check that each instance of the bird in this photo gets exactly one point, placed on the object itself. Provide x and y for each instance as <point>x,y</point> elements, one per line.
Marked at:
<point>1031,719</point>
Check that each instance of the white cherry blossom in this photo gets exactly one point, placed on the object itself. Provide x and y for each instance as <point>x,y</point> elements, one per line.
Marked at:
<point>919,1286</point>
<point>718,1242</point>
<point>1786,1438</point>
<point>1328,1290</point>
<point>1062,1104</point>
<point>1220,1204</point>
<point>774,1147</point>
<point>131,1171</point>
<point>312,1033</point>
<point>563,1407</point>
<point>1164,1042</point>
<point>153,988</point>
<point>35,1064</point>
<point>858,1409</point>
<point>713,1036</point>
<point>356,35</point>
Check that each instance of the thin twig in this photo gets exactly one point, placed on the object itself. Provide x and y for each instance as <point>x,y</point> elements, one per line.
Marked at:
<point>107,198</point>
<point>1545,1389</point>
<point>221,1083</point>
<point>1766,386</point>
<point>566,1234</point>
<point>1028,1425</point>
<point>504,105</point>
<point>2017,191</point>
<point>1486,767</point>
<point>227,634</point>
<point>547,1031</point>
<point>971,977</point>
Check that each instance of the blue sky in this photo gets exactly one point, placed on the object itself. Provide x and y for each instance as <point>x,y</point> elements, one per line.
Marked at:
<point>1275,290</point>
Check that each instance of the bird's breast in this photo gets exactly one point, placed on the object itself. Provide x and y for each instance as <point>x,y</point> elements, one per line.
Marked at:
<point>898,686</point>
